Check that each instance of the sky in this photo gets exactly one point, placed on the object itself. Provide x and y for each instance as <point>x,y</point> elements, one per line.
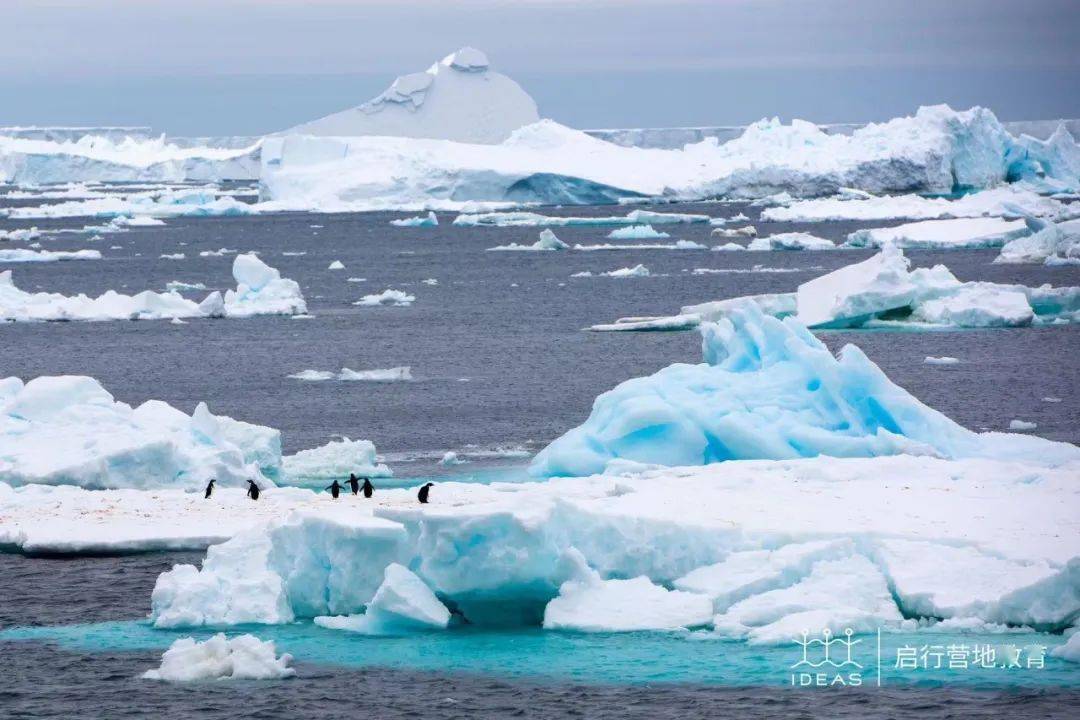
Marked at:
<point>232,67</point>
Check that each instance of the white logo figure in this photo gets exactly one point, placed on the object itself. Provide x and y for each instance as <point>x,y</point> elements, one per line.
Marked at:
<point>846,668</point>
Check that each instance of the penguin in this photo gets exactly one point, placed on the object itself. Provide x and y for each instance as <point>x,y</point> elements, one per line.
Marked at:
<point>253,490</point>
<point>335,489</point>
<point>423,494</point>
<point>209,489</point>
<point>368,487</point>
<point>354,483</point>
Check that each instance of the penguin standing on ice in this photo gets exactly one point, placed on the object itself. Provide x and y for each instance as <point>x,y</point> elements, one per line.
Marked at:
<point>368,488</point>
<point>253,490</point>
<point>335,489</point>
<point>209,489</point>
<point>422,496</point>
<point>354,483</point>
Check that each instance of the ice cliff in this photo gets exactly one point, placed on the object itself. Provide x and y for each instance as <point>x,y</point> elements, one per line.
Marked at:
<point>459,98</point>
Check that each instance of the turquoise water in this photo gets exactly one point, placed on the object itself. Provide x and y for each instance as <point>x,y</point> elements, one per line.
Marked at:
<point>466,473</point>
<point>626,658</point>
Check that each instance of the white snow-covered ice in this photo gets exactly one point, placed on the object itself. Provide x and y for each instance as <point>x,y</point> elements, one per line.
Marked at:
<point>244,657</point>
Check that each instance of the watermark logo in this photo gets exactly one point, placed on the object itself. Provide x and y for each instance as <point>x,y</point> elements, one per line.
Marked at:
<point>827,661</point>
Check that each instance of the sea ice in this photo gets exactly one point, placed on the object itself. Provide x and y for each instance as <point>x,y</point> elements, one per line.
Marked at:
<point>944,360</point>
<point>336,265</point>
<point>1021,425</point>
<point>335,459</point>
<point>244,657</point>
<point>1070,650</point>
<point>677,245</point>
<point>636,232</point>
<point>942,234</point>
<point>21,256</point>
<point>627,272</point>
<point>1048,243</point>
<point>429,220</point>
<point>402,604</point>
<point>547,241</point>
<point>529,219</point>
<point>397,298</point>
<point>791,241</point>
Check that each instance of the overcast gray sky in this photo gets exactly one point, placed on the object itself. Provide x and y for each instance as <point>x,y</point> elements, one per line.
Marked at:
<point>250,66</point>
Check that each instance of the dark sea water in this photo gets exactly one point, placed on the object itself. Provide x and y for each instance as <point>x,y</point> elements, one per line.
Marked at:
<point>500,360</point>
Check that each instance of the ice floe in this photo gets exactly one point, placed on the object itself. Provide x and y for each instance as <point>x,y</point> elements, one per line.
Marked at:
<point>244,657</point>
<point>429,220</point>
<point>394,374</point>
<point>397,298</point>
<point>637,232</point>
<point>1048,243</point>
<point>943,360</point>
<point>21,255</point>
<point>943,234</point>
<point>69,430</point>
<point>129,211</point>
<point>335,459</point>
<point>791,241</point>
<point>767,389</point>
<point>547,241</point>
<point>530,219</point>
<point>677,245</point>
<point>626,272</point>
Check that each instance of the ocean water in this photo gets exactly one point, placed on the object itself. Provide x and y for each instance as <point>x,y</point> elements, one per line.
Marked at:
<point>502,366</point>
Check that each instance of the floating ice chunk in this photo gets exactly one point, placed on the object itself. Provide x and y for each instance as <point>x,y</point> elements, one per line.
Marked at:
<point>728,247</point>
<point>791,241</point>
<point>943,234</point>
<point>677,245</point>
<point>336,265</point>
<point>430,281</point>
<point>397,298</point>
<point>944,360</point>
<point>459,98</point>
<point>220,252</point>
<point>244,657</point>
<point>748,231</point>
<point>636,232</point>
<point>767,389</point>
<point>429,220</point>
<point>646,324</point>
<point>977,305</point>
<point>314,375</point>
<point>1069,650</point>
<point>750,572</point>
<point>261,290</point>
<point>178,285</point>
<point>174,256</point>
<point>856,292</point>
<point>335,459</point>
<point>733,219</point>
<point>588,603</point>
<point>1021,425</point>
<point>451,458</point>
<point>547,241</point>
<point>380,375</point>
<point>21,256</point>
<point>20,235</point>
<point>837,594</point>
<point>141,221</point>
<point>128,211</point>
<point>529,219</point>
<point>1048,243</point>
<point>68,430</point>
<point>1051,399</point>
<point>994,589</point>
<point>627,272</point>
<point>402,604</point>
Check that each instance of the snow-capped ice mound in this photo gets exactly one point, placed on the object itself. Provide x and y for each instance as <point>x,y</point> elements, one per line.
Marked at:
<point>882,290</point>
<point>588,603</point>
<point>68,430</point>
<point>943,234</point>
<point>244,657</point>
<point>767,389</point>
<point>261,290</point>
<point>547,241</point>
<point>938,150</point>
<point>459,98</point>
<point>1048,243</point>
<point>336,459</point>
<point>402,604</point>
<point>131,159</point>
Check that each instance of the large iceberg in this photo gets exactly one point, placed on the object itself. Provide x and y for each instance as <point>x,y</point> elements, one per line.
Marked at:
<point>767,389</point>
<point>260,291</point>
<point>69,430</point>
<point>96,158</point>
<point>938,150</point>
<point>458,98</point>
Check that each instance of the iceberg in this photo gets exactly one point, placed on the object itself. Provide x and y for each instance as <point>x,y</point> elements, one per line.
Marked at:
<point>429,220</point>
<point>97,158</point>
<point>21,256</point>
<point>748,231</point>
<point>547,241</point>
<point>1048,243</point>
<point>636,232</point>
<point>529,219</point>
<point>402,604</point>
<point>942,234</point>
<point>69,430</point>
<point>459,98</point>
<point>767,389</point>
<point>244,657</point>
<point>336,459</point>
<point>791,241</point>
<point>261,290</point>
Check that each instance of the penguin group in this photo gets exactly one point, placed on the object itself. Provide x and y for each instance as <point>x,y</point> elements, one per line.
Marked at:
<point>335,488</point>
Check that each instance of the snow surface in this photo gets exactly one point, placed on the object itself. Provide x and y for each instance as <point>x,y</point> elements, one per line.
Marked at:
<point>244,657</point>
<point>768,389</point>
<point>260,291</point>
<point>459,98</point>
<point>335,459</point>
<point>69,430</point>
